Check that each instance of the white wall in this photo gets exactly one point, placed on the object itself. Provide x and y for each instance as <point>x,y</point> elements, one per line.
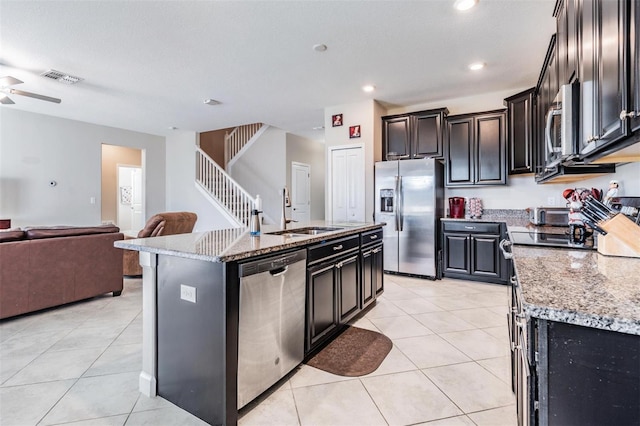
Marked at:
<point>262,170</point>
<point>367,114</point>
<point>312,153</point>
<point>36,149</point>
<point>182,194</point>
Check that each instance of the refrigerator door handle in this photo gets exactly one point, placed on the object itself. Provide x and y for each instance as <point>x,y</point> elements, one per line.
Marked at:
<point>397,207</point>
<point>400,204</point>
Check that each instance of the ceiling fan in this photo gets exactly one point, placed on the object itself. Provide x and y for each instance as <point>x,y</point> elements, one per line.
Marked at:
<point>5,90</point>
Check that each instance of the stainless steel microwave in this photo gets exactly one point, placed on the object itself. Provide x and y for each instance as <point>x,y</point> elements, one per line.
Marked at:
<point>561,127</point>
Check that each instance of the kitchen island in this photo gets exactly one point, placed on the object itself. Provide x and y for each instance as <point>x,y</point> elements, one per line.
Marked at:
<point>191,302</point>
<point>575,337</point>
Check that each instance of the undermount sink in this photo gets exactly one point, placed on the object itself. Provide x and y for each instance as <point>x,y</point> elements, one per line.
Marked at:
<point>311,230</point>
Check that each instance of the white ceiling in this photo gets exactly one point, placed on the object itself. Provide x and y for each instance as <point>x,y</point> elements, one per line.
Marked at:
<point>149,65</point>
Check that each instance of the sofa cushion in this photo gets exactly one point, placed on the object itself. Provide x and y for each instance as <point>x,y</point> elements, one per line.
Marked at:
<point>40,232</point>
<point>13,234</point>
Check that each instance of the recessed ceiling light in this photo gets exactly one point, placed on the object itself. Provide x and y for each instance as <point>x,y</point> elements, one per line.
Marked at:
<point>320,47</point>
<point>172,128</point>
<point>318,128</point>
<point>369,88</point>
<point>477,66</point>
<point>211,102</point>
<point>465,4</point>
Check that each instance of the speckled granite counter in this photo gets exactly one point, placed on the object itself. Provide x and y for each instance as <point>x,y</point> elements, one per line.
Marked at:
<point>235,244</point>
<point>580,287</point>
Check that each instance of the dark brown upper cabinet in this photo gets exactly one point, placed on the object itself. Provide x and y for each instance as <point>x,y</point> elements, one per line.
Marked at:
<point>520,136</point>
<point>413,135</point>
<point>567,21</point>
<point>633,112</point>
<point>475,149</point>
<point>604,77</point>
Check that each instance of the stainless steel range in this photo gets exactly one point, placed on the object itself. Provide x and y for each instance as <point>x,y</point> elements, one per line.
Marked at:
<point>549,237</point>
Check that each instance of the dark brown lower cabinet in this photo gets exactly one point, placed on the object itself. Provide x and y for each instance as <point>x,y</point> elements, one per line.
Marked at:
<point>471,251</point>
<point>322,314</point>
<point>344,276</point>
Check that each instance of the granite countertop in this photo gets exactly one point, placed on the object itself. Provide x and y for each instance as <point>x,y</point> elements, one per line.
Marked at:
<point>581,287</point>
<point>236,243</point>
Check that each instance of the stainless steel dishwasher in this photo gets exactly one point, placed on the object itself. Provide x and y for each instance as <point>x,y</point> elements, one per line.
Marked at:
<point>271,321</point>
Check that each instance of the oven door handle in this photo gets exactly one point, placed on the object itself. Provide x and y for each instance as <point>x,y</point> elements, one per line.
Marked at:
<point>503,247</point>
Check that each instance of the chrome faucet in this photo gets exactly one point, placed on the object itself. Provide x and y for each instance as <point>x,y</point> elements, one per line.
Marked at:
<point>283,217</point>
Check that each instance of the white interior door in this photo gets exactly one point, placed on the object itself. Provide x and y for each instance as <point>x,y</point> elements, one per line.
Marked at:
<point>300,192</point>
<point>347,185</point>
<point>130,198</point>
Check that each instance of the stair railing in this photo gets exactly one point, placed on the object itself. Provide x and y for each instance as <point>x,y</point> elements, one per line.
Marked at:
<point>226,191</point>
<point>237,139</point>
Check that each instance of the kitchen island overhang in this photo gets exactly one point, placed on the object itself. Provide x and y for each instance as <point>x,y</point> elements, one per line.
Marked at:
<point>208,262</point>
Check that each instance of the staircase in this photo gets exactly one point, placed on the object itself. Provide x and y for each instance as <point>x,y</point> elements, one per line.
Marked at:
<point>238,139</point>
<point>230,198</point>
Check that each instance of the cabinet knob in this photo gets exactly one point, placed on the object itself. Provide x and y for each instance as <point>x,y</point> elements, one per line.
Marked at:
<point>631,114</point>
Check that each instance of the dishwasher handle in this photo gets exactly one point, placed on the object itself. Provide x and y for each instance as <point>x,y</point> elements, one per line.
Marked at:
<point>279,271</point>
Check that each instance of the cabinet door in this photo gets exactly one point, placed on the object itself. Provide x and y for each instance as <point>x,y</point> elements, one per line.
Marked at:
<point>604,85</point>
<point>490,150</point>
<point>567,39</point>
<point>368,277</point>
<point>396,134</point>
<point>348,280</point>
<point>427,135</point>
<point>520,133</point>
<point>456,253</point>
<point>322,317</point>
<point>485,257</point>
<point>612,78</point>
<point>378,268</point>
<point>460,153</point>
<point>634,61</point>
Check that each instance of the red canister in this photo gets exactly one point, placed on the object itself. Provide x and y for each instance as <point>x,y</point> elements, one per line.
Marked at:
<point>456,207</point>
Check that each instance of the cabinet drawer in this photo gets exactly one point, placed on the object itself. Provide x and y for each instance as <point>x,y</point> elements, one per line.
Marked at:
<point>371,237</point>
<point>332,248</point>
<point>471,227</point>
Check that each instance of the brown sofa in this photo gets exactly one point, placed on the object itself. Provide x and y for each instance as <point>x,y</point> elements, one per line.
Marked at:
<point>169,223</point>
<point>50,266</point>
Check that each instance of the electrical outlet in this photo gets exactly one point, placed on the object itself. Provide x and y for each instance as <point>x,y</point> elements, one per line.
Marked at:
<point>551,201</point>
<point>188,293</point>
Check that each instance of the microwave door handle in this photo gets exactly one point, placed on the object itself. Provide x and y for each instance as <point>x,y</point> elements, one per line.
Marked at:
<point>547,133</point>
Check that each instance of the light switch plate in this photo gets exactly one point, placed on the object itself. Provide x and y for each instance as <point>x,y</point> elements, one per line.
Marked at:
<point>188,293</point>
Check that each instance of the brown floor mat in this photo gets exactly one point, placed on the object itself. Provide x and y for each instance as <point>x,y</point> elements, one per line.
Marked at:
<point>355,352</point>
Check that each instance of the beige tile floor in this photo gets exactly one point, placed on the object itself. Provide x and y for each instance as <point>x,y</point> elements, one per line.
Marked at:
<point>449,365</point>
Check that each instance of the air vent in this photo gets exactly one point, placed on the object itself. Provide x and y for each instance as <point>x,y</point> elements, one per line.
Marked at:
<point>61,77</point>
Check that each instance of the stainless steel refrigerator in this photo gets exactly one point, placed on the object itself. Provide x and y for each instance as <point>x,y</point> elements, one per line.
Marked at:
<point>409,197</point>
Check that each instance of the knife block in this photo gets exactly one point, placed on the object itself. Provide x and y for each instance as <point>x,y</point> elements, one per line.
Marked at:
<point>622,239</point>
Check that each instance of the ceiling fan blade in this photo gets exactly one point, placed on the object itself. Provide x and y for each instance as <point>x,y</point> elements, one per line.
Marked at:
<point>8,81</point>
<point>34,95</point>
<point>6,100</point>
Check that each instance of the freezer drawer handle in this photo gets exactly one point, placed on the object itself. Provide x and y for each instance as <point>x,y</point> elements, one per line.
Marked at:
<point>336,248</point>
